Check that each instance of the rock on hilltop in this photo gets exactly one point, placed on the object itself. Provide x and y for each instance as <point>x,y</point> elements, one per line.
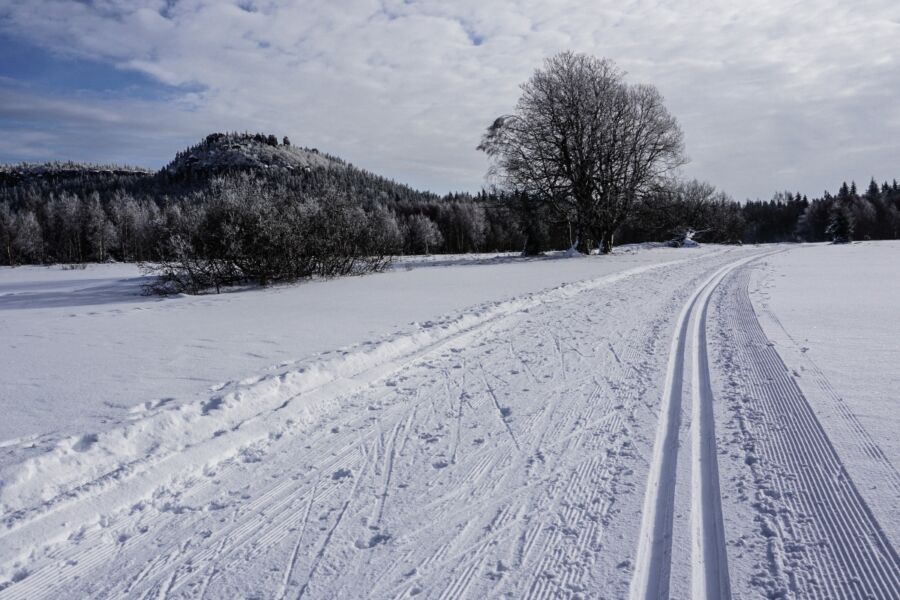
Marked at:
<point>225,152</point>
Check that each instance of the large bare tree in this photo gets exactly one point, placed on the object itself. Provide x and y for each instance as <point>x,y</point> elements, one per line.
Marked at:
<point>586,142</point>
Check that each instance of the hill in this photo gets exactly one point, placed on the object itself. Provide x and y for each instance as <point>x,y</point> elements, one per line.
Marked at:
<point>72,212</point>
<point>222,153</point>
<point>304,170</point>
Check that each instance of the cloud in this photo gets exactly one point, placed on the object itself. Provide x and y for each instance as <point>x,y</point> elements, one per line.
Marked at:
<point>771,94</point>
<point>92,127</point>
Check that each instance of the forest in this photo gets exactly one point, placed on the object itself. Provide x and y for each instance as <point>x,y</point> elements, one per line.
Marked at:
<point>225,212</point>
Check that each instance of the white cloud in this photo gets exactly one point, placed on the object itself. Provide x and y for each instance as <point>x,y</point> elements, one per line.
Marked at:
<point>771,95</point>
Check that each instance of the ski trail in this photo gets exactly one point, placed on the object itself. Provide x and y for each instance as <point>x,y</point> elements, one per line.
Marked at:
<point>501,413</point>
<point>204,585</point>
<point>830,545</point>
<point>651,573</point>
<point>292,562</point>
<point>825,392</point>
<point>388,473</point>
<point>340,518</point>
<point>709,558</point>
<point>467,499</point>
<point>650,580</point>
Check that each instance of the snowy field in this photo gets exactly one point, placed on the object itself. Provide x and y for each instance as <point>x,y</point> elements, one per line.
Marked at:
<point>85,350</point>
<point>708,422</point>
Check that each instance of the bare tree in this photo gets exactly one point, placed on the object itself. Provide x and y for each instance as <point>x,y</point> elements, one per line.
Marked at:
<point>586,142</point>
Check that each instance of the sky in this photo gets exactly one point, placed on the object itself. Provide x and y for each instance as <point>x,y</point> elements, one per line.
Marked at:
<point>772,94</point>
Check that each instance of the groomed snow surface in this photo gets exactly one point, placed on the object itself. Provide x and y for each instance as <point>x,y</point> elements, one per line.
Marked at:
<point>703,423</point>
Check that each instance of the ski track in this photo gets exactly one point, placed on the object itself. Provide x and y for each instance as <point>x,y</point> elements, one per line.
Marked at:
<point>853,427</point>
<point>652,571</point>
<point>822,540</point>
<point>345,487</point>
<point>489,464</point>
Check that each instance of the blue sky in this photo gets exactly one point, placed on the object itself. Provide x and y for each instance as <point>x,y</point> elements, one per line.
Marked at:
<point>42,70</point>
<point>771,95</point>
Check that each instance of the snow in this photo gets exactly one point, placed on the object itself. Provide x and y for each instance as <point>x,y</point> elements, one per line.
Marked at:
<point>84,349</point>
<point>832,312</point>
<point>468,426</point>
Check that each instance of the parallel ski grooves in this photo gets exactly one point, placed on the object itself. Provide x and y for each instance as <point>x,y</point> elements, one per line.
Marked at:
<point>846,552</point>
<point>710,560</point>
<point>654,553</point>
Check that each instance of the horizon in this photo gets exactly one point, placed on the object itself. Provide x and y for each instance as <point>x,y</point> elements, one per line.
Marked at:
<point>769,100</point>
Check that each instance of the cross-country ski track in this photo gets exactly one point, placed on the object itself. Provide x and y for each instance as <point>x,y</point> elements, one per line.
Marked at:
<point>564,444</point>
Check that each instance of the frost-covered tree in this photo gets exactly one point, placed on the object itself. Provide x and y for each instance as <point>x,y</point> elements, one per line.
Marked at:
<point>28,241</point>
<point>20,236</point>
<point>246,230</point>
<point>840,226</point>
<point>686,206</point>
<point>421,235</point>
<point>98,232</point>
<point>586,142</point>
<point>8,233</point>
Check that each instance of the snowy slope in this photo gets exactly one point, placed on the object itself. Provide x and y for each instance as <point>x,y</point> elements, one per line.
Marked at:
<point>162,460</point>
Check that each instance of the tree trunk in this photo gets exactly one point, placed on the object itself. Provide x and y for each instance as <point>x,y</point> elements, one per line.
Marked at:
<point>583,241</point>
<point>606,243</point>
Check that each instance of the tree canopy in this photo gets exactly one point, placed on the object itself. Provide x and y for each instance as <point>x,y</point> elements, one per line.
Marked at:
<point>586,142</point>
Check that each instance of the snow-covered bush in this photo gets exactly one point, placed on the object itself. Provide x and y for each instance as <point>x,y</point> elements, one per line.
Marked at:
<point>246,231</point>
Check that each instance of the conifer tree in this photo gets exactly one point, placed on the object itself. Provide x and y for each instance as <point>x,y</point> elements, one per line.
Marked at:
<point>840,226</point>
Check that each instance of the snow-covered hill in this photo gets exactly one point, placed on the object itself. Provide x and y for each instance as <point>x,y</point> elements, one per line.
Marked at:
<point>220,152</point>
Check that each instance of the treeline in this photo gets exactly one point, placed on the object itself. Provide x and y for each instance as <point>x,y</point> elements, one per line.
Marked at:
<point>872,215</point>
<point>65,213</point>
<point>129,218</point>
<point>41,226</point>
<point>206,228</point>
<point>96,220</point>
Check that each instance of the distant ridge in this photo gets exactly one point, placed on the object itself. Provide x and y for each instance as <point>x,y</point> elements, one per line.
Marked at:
<point>23,173</point>
<point>264,156</point>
